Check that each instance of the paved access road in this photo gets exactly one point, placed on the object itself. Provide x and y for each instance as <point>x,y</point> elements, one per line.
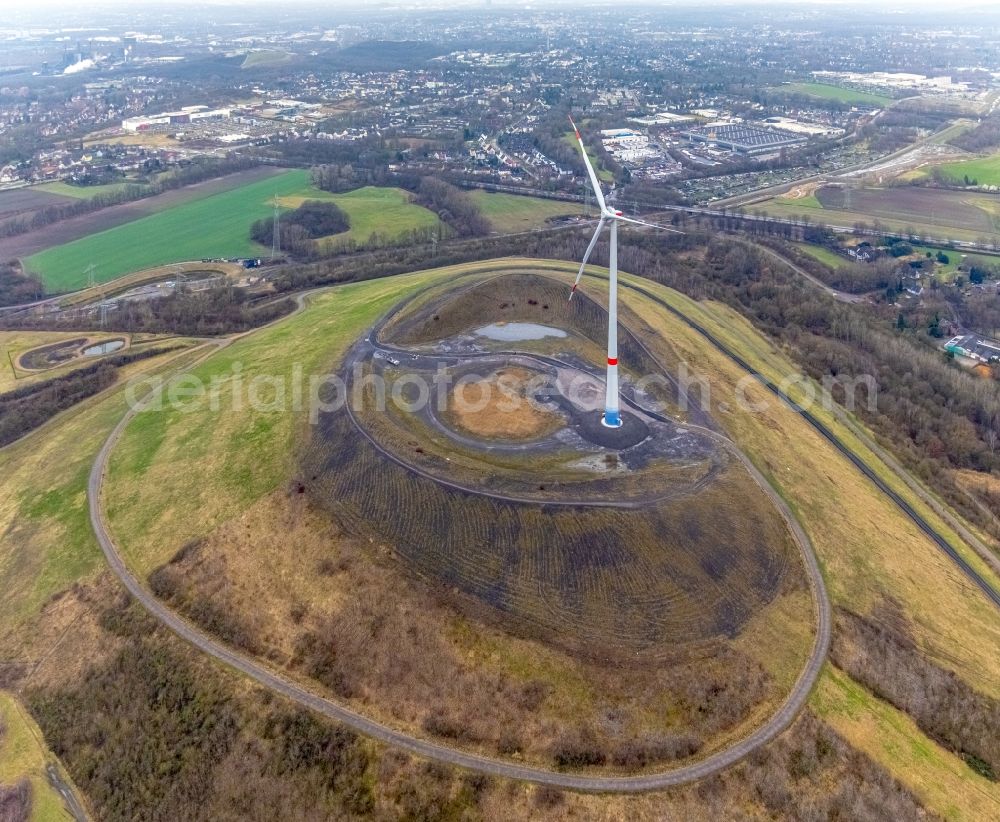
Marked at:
<point>282,685</point>
<point>840,296</point>
<point>70,800</point>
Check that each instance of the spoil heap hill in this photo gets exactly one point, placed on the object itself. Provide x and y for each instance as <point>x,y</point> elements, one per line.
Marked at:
<point>670,574</point>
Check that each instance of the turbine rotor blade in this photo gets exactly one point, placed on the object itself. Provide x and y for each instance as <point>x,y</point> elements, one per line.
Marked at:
<point>648,225</point>
<point>590,248</point>
<point>590,169</point>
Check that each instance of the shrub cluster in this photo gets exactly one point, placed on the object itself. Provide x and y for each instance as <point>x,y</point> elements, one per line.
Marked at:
<point>24,409</point>
<point>946,708</point>
<point>16,287</point>
<point>211,311</point>
<point>15,802</point>
<point>21,414</point>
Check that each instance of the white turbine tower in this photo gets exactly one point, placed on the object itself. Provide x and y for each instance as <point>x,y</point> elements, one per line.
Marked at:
<point>611,217</point>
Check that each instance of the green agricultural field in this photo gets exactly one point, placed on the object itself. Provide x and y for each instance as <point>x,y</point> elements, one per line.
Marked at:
<point>371,211</point>
<point>213,226</point>
<point>257,59</point>
<point>84,192</point>
<point>217,225</point>
<point>984,171</point>
<point>824,91</point>
<point>510,213</point>
<point>807,201</point>
<point>824,255</point>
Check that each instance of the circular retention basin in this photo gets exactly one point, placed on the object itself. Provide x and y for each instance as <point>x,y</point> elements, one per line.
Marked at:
<point>105,347</point>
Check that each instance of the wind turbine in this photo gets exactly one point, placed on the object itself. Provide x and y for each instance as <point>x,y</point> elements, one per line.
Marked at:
<point>611,217</point>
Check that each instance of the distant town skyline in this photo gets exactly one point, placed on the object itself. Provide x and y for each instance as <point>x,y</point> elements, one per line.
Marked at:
<point>409,5</point>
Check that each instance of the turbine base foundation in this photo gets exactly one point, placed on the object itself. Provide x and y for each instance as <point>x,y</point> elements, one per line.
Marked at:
<point>611,419</point>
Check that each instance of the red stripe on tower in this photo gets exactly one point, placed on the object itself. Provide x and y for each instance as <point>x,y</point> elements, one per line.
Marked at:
<point>612,361</point>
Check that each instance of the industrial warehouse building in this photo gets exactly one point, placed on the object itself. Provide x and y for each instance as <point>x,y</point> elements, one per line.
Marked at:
<point>188,114</point>
<point>969,345</point>
<point>745,139</point>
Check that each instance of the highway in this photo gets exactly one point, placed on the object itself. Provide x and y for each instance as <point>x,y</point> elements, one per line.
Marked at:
<point>285,687</point>
<point>750,197</point>
<point>649,212</point>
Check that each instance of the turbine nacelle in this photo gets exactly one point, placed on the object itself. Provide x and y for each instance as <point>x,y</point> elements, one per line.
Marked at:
<point>608,217</point>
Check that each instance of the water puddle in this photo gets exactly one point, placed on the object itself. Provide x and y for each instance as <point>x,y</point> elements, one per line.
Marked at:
<point>516,332</point>
<point>103,348</point>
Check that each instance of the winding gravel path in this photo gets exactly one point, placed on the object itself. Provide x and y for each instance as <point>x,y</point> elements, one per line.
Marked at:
<point>280,684</point>
<point>559,502</point>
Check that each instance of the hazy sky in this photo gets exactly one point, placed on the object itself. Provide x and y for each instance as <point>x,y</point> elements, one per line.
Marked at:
<point>887,5</point>
<point>43,13</point>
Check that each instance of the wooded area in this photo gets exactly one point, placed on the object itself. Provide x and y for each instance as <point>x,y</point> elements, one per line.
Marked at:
<point>25,409</point>
<point>297,229</point>
<point>16,287</point>
<point>206,312</point>
<point>889,664</point>
<point>984,136</point>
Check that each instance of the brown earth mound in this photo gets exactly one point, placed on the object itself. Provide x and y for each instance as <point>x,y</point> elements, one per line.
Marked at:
<point>498,407</point>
